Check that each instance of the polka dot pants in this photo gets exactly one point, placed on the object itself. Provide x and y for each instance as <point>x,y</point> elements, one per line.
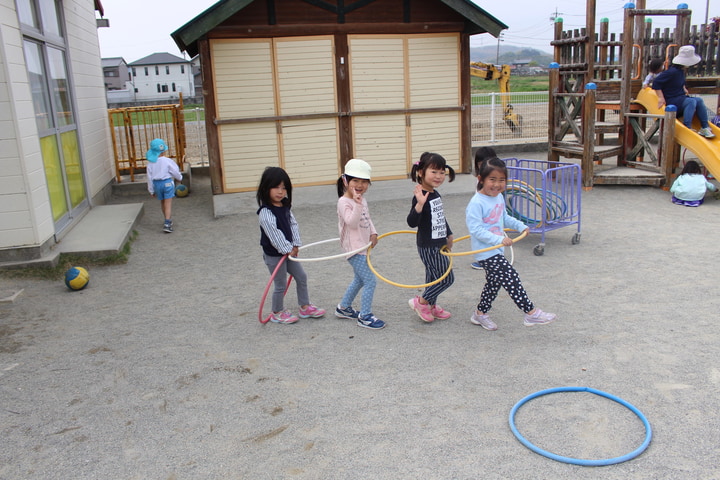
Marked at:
<point>499,273</point>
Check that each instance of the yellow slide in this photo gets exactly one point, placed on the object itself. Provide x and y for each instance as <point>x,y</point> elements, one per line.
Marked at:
<point>706,150</point>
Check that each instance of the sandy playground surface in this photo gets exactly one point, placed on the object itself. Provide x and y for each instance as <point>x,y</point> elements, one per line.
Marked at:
<point>161,370</point>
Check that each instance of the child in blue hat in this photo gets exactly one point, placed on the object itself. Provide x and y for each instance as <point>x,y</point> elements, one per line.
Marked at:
<point>161,175</point>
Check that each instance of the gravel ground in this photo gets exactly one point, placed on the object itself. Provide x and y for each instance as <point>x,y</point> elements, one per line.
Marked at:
<point>161,370</point>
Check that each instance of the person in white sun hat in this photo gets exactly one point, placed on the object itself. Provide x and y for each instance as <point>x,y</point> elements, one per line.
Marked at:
<point>670,88</point>
<point>356,230</point>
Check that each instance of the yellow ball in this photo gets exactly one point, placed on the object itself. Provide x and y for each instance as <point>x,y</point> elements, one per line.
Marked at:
<point>77,278</point>
<point>182,190</point>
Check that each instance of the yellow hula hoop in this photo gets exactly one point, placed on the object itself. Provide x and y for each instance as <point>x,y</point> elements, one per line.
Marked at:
<point>401,285</point>
<point>460,254</point>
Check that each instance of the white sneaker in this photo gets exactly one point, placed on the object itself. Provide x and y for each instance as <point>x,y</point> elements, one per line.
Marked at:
<point>483,320</point>
<point>539,318</point>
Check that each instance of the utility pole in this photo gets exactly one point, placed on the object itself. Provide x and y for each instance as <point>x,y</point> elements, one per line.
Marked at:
<point>497,55</point>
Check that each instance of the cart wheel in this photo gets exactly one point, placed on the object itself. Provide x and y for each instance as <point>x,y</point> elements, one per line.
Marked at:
<point>539,250</point>
<point>575,239</point>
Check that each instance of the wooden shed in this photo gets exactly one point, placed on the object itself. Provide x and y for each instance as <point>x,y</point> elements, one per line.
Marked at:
<point>309,84</point>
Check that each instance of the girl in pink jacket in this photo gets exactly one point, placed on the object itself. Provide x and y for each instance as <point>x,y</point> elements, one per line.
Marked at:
<point>357,230</point>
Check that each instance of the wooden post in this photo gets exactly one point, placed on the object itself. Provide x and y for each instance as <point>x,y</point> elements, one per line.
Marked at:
<point>553,110</point>
<point>211,129</point>
<point>625,90</point>
<point>466,161</point>
<point>588,135</point>
<point>557,51</point>
<point>670,153</point>
<point>590,45</point>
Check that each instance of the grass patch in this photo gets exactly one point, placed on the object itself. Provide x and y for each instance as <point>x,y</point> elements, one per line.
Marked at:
<point>536,83</point>
<point>68,260</point>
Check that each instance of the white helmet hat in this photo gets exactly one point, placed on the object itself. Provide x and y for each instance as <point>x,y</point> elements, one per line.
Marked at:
<point>358,168</point>
<point>686,56</point>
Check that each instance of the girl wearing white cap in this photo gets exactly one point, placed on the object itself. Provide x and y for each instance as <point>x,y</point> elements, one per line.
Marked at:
<point>670,88</point>
<point>356,229</point>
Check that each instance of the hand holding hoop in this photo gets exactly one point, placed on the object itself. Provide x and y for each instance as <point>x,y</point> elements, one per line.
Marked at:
<point>460,254</point>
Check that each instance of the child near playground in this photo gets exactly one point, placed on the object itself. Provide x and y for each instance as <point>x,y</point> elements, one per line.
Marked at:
<point>716,119</point>
<point>161,175</point>
<point>670,88</point>
<point>690,187</point>
<point>481,155</point>
<point>486,220</point>
<point>357,230</point>
<point>434,233</point>
<point>280,236</point>
<point>655,66</point>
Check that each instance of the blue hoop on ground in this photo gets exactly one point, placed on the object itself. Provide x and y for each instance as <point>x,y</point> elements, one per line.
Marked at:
<point>329,257</point>
<point>578,461</point>
<point>267,288</point>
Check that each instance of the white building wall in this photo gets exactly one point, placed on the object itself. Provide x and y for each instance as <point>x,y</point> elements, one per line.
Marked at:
<point>147,85</point>
<point>25,213</point>
<point>89,90</point>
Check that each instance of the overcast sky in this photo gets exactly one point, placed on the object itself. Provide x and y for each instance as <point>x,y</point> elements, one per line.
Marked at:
<point>139,28</point>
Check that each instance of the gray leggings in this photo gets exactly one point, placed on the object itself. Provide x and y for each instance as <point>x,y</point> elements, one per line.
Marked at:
<point>293,268</point>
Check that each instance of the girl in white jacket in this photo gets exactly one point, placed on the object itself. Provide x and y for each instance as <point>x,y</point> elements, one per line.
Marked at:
<point>690,187</point>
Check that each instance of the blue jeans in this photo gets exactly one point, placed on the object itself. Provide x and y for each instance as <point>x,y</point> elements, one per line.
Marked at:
<point>694,106</point>
<point>364,278</point>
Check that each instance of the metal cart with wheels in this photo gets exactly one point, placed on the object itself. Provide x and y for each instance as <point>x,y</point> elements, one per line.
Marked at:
<point>544,195</point>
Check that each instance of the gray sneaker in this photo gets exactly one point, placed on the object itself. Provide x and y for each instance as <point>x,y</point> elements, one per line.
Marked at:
<point>483,320</point>
<point>706,132</point>
<point>539,318</point>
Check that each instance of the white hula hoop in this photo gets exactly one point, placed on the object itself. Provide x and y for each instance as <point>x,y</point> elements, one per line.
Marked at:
<point>330,257</point>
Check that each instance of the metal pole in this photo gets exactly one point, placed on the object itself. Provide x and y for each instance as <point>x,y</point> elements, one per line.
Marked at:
<point>492,116</point>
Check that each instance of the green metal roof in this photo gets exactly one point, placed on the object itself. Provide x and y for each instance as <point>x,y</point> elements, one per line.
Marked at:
<point>186,37</point>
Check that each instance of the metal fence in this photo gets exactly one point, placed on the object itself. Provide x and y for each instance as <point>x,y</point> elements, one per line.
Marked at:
<point>491,117</point>
<point>488,122</point>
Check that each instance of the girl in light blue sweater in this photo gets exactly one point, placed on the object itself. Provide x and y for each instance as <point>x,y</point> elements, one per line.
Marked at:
<point>486,219</point>
<point>690,187</point>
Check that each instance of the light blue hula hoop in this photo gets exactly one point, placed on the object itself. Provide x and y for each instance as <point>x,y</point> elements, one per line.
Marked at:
<point>578,461</point>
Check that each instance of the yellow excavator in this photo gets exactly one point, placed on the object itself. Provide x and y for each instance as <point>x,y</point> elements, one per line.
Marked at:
<point>488,71</point>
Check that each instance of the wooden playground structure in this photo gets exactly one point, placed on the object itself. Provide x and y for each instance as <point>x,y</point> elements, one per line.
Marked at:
<point>596,76</point>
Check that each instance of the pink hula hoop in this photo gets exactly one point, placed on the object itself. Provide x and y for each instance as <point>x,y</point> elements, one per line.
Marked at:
<point>267,289</point>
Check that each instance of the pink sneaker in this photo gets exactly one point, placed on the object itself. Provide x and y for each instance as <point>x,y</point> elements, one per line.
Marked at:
<point>283,317</point>
<point>439,313</point>
<point>311,311</point>
<point>423,311</point>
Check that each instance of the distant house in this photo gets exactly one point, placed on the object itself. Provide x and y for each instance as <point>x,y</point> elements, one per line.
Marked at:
<point>307,85</point>
<point>55,148</point>
<point>162,76</point>
<point>116,73</point>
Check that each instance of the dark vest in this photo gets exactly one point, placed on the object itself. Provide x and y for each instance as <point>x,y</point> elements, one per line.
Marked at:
<point>282,221</point>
